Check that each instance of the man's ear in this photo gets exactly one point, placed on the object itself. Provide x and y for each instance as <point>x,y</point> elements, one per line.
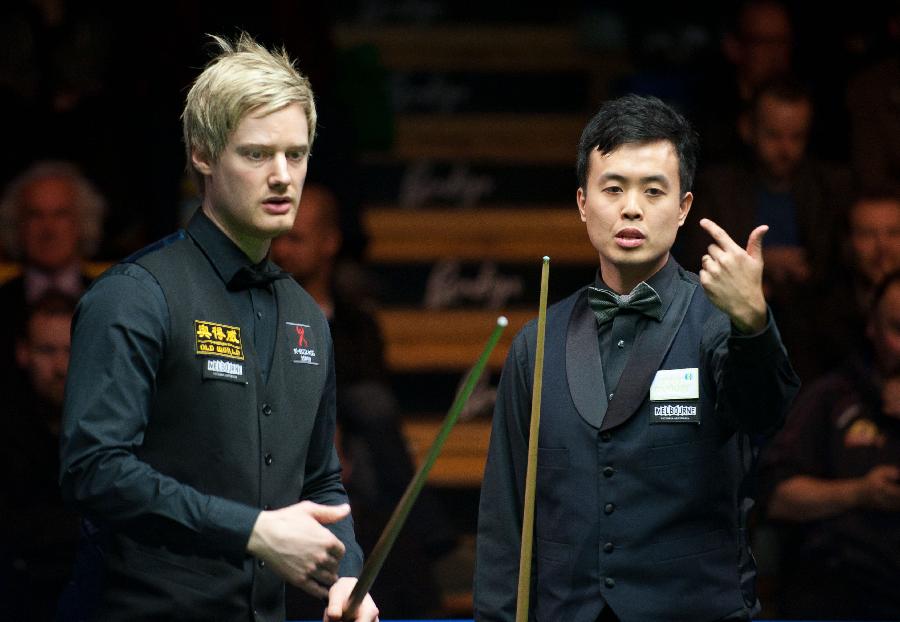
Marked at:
<point>580,198</point>
<point>201,162</point>
<point>684,207</point>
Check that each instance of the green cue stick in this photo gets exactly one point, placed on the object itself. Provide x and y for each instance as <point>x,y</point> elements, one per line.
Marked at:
<point>524,593</point>
<point>395,524</point>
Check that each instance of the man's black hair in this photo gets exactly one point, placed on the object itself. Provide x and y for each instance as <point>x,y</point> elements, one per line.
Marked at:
<point>635,119</point>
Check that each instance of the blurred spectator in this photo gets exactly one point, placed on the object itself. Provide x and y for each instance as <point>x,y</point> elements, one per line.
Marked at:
<point>51,219</point>
<point>39,533</point>
<point>838,308</point>
<point>835,470</point>
<point>799,197</point>
<point>377,463</point>
<point>873,99</point>
<point>758,48</point>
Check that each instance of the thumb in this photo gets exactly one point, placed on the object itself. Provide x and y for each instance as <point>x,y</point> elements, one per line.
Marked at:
<point>755,241</point>
<point>327,514</point>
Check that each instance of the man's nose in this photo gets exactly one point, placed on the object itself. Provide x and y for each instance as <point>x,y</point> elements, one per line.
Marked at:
<point>632,207</point>
<point>279,175</point>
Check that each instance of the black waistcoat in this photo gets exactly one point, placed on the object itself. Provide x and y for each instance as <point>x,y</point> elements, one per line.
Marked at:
<point>215,426</point>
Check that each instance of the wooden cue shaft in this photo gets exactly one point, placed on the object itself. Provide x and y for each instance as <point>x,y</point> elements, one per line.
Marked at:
<point>395,524</point>
<point>524,593</point>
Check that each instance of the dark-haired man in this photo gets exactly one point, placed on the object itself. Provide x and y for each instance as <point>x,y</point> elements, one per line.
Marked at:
<point>656,385</point>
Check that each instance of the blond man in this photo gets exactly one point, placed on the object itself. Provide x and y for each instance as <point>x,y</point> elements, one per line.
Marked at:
<point>198,428</point>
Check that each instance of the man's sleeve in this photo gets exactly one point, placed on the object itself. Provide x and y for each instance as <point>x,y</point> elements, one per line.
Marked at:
<point>755,383</point>
<point>323,474</point>
<point>503,491</point>
<point>118,337</point>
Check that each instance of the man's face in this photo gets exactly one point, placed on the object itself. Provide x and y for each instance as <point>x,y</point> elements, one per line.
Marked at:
<point>48,219</point>
<point>875,238</point>
<point>780,132</point>
<point>45,355</point>
<point>311,245</point>
<point>765,43</point>
<point>884,331</point>
<point>632,206</point>
<point>253,189</point>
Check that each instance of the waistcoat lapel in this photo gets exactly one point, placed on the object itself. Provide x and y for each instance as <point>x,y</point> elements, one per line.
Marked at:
<point>584,370</point>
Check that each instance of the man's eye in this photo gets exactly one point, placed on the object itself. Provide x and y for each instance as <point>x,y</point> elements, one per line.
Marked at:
<point>254,155</point>
<point>655,192</point>
<point>296,155</point>
<point>612,189</point>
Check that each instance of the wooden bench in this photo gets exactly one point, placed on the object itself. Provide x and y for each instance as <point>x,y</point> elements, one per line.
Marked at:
<point>461,462</point>
<point>500,234</point>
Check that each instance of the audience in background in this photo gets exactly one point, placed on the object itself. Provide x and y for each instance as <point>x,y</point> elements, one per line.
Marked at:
<point>39,534</point>
<point>873,99</point>
<point>834,472</point>
<point>51,220</point>
<point>757,47</point>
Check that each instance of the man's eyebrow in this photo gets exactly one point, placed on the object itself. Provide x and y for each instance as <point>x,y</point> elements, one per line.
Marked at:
<point>649,179</point>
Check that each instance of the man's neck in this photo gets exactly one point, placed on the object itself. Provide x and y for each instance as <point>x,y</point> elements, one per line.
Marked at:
<point>254,248</point>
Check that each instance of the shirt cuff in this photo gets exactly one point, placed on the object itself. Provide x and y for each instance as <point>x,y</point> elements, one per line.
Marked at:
<point>755,345</point>
<point>231,524</point>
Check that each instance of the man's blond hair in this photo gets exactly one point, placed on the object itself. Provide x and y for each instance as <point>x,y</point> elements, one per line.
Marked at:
<point>243,77</point>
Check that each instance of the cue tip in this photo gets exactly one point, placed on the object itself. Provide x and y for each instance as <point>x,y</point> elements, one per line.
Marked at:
<point>546,259</point>
<point>502,321</point>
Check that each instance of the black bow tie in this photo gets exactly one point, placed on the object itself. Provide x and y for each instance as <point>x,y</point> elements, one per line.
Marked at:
<point>248,277</point>
<point>606,304</point>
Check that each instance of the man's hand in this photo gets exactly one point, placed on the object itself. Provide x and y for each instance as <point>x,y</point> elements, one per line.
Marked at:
<point>297,547</point>
<point>880,489</point>
<point>337,601</point>
<point>732,277</point>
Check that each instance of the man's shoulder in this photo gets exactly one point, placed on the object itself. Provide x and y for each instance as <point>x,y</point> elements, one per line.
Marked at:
<point>159,249</point>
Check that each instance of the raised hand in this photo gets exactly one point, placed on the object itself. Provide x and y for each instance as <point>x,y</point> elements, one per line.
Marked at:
<point>297,547</point>
<point>732,276</point>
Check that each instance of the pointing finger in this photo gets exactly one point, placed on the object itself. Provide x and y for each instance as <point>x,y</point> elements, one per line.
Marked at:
<point>719,235</point>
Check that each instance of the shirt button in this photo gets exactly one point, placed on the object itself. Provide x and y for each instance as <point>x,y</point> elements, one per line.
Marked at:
<point>609,508</point>
<point>608,547</point>
<point>261,563</point>
<point>610,396</point>
<point>605,437</point>
<point>621,343</point>
<point>268,459</point>
<point>609,582</point>
<point>259,314</point>
<point>266,410</point>
<point>607,471</point>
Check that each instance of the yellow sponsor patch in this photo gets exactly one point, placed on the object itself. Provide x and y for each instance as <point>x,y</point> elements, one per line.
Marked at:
<point>218,340</point>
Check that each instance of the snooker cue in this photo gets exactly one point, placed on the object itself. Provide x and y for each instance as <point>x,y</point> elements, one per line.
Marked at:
<point>395,524</point>
<point>524,593</point>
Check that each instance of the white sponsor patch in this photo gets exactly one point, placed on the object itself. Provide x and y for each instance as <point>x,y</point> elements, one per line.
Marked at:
<point>675,384</point>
